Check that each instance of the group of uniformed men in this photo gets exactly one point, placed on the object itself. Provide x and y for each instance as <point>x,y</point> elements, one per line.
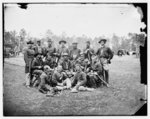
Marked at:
<point>52,70</point>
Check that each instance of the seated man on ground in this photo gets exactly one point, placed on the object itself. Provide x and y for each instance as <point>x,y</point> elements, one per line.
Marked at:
<point>50,61</point>
<point>67,67</point>
<point>57,81</point>
<point>79,80</point>
<point>92,77</point>
<point>36,67</point>
<point>87,66</point>
<point>45,78</point>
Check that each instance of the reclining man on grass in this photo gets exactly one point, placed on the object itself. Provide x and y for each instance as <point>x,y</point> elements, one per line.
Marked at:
<point>79,81</point>
<point>58,82</point>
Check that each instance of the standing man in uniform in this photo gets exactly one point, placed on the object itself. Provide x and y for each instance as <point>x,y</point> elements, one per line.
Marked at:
<point>65,63</point>
<point>105,54</point>
<point>39,48</point>
<point>88,51</point>
<point>50,49</point>
<point>28,58</point>
<point>66,66</point>
<point>62,48</point>
<point>74,52</point>
<point>49,53</point>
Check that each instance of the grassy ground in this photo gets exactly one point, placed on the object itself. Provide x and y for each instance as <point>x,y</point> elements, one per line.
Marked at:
<point>122,99</point>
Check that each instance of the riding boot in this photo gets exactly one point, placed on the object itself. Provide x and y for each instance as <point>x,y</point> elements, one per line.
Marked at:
<point>107,76</point>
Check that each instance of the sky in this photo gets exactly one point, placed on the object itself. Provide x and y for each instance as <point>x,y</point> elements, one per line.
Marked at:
<point>74,19</point>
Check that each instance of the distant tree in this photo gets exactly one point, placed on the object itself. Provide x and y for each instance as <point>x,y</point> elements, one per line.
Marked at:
<point>63,35</point>
<point>125,44</point>
<point>22,34</point>
<point>22,37</point>
<point>137,40</point>
<point>7,37</point>
<point>49,34</point>
<point>14,39</point>
<point>10,38</point>
<point>115,43</point>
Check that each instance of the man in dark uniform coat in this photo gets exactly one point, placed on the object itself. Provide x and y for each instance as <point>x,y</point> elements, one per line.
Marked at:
<point>74,52</point>
<point>105,54</point>
<point>79,79</point>
<point>45,78</point>
<point>66,66</point>
<point>50,50</point>
<point>49,54</point>
<point>62,48</point>
<point>39,48</point>
<point>36,67</point>
<point>65,63</point>
<point>37,63</point>
<point>96,68</point>
<point>29,53</point>
<point>88,51</point>
<point>51,60</point>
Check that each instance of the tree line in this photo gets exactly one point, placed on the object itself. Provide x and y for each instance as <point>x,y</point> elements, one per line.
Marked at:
<point>131,42</point>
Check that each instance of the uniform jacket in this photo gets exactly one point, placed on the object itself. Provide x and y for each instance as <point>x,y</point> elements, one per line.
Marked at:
<point>105,52</point>
<point>56,77</point>
<point>36,63</point>
<point>50,63</point>
<point>28,56</point>
<point>61,50</point>
<point>86,51</point>
<point>66,65</point>
<point>74,53</point>
<point>39,49</point>
<point>50,51</point>
<point>45,78</point>
<point>80,76</point>
<point>97,67</point>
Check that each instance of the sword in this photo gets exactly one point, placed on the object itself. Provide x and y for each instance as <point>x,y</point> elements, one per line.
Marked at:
<point>103,80</point>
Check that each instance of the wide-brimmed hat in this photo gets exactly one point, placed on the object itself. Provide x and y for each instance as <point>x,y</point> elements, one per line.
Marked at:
<point>62,41</point>
<point>30,42</point>
<point>102,40</point>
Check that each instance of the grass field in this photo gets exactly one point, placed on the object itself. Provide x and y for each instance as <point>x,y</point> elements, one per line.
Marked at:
<point>122,98</point>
